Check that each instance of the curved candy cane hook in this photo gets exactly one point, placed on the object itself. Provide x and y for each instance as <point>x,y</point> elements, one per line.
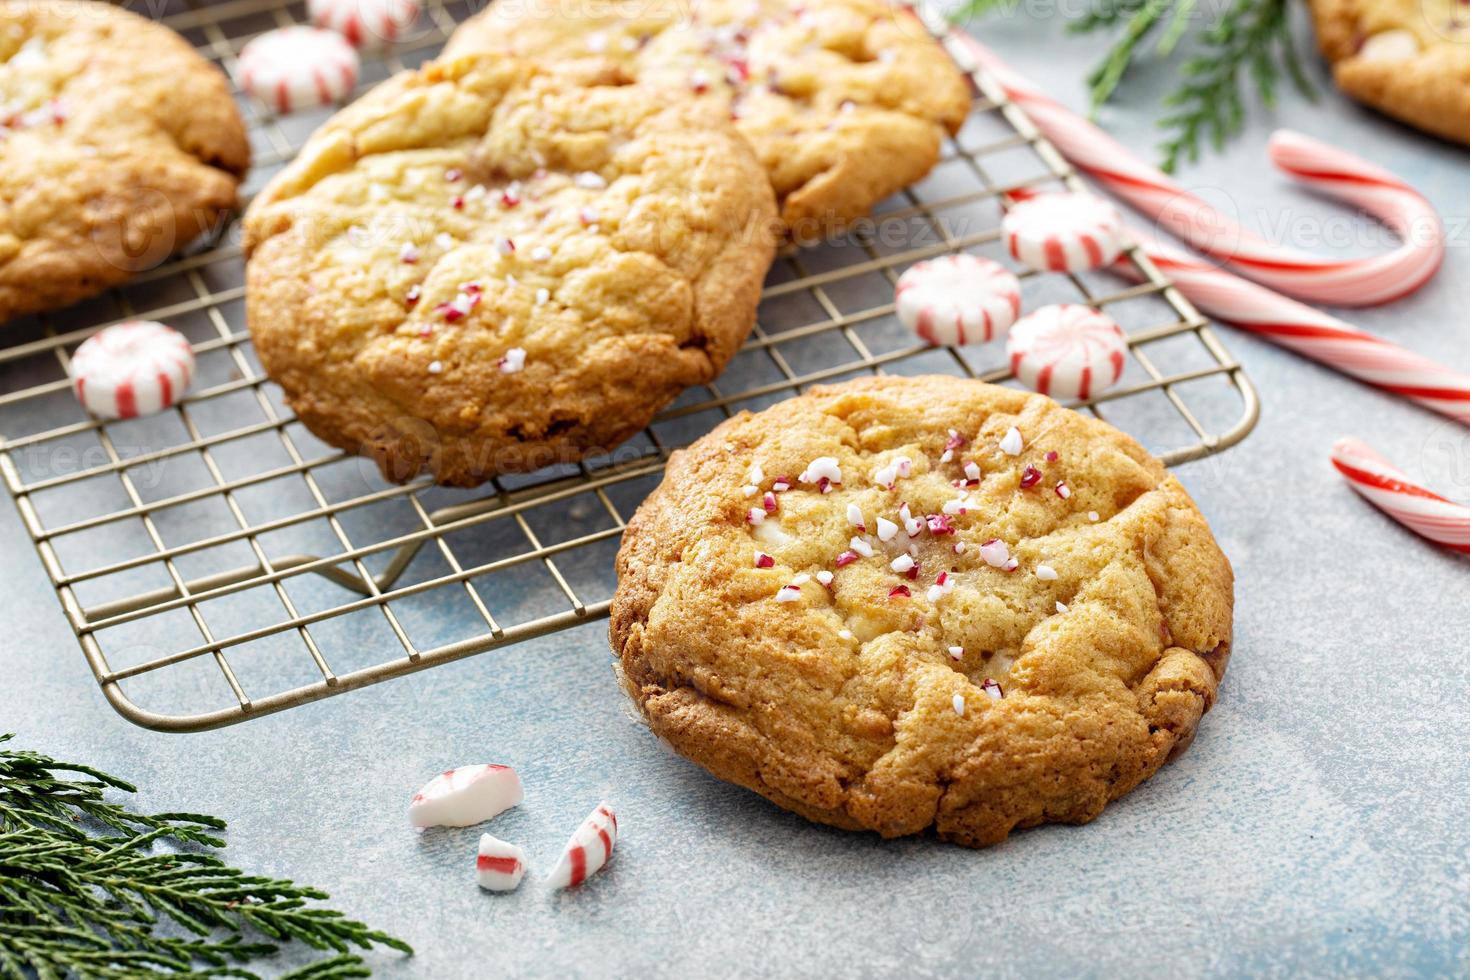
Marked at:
<point>1388,488</point>
<point>1336,173</point>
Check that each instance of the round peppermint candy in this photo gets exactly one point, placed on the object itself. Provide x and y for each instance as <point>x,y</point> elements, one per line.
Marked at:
<point>958,299</point>
<point>131,369</point>
<point>1067,351</point>
<point>298,68</point>
<point>1064,232</point>
<point>367,24</point>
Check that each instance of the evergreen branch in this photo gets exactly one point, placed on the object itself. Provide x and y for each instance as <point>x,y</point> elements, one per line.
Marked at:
<point>90,888</point>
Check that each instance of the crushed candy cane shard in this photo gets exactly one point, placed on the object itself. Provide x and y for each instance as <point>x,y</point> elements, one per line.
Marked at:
<point>1046,573</point>
<point>958,703</point>
<point>901,564</point>
<point>1063,232</point>
<point>855,517</point>
<point>499,865</point>
<point>788,593</point>
<point>861,547</point>
<point>957,299</point>
<point>589,849</point>
<point>886,530</point>
<point>132,369</point>
<point>465,796</point>
<point>995,553</point>
<point>1011,443</point>
<point>992,688</point>
<point>823,467</point>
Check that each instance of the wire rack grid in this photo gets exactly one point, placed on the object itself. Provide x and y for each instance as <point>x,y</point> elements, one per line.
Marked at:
<point>218,563</point>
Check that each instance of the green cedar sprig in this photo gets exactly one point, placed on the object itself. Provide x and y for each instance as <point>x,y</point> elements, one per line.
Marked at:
<point>91,888</point>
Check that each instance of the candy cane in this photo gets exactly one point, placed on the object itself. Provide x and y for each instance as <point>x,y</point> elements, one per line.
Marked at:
<point>1309,332</point>
<point>1337,174</point>
<point>1389,489</point>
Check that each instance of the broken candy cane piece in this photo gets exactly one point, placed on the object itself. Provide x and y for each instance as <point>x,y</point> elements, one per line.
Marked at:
<point>500,865</point>
<point>465,796</point>
<point>588,850</point>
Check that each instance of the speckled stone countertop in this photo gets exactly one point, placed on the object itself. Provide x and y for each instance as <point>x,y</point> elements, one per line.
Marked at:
<point>1318,825</point>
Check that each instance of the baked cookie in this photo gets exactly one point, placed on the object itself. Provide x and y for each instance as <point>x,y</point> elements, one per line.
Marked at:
<point>483,268</point>
<point>844,101</point>
<point>969,608</point>
<point>1407,58</point>
<point>118,145</point>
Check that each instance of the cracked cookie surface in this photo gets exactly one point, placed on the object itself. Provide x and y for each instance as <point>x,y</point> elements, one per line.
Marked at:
<point>844,101</point>
<point>118,145</point>
<point>1409,59</point>
<point>482,268</point>
<point>1000,613</point>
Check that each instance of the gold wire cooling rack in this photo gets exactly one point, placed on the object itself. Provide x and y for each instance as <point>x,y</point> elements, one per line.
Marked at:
<point>217,562</point>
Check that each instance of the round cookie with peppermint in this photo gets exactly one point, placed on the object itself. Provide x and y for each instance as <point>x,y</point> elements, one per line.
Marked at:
<point>1409,59</point>
<point>119,145</point>
<point>480,267</point>
<point>903,603</point>
<point>844,101</point>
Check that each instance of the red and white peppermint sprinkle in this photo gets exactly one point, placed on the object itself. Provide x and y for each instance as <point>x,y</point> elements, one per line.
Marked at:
<point>939,524</point>
<point>505,246</point>
<point>465,796</point>
<point>972,471</point>
<point>911,524</point>
<point>957,506</point>
<point>540,253</point>
<point>132,369</point>
<point>959,547</point>
<point>589,849</point>
<point>409,253</point>
<point>995,553</point>
<point>298,68</point>
<point>861,547</point>
<point>855,517</point>
<point>990,687</point>
<point>768,501</point>
<point>788,593</point>
<point>825,577</point>
<point>436,367</point>
<point>782,484</point>
<point>1062,490</point>
<point>756,515</point>
<point>901,564</point>
<point>749,490</point>
<point>899,592</point>
<point>1046,573</point>
<point>763,560</point>
<point>499,865</point>
<point>886,530</point>
<point>1067,351</point>
<point>1030,476</point>
<point>589,180</point>
<point>958,703</point>
<point>514,361</point>
<point>846,558</point>
<point>1064,232</point>
<point>958,299</point>
<point>1093,515</point>
<point>444,241</point>
<point>1011,443</point>
<point>1061,607</point>
<point>822,468</point>
<point>588,217</point>
<point>957,653</point>
<point>367,24</point>
<point>542,295</point>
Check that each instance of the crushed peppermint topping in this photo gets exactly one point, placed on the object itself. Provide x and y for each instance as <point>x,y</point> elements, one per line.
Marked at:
<point>822,468</point>
<point>1051,456</point>
<point>788,593</point>
<point>1011,443</point>
<point>861,547</point>
<point>904,465</point>
<point>1062,490</point>
<point>475,193</point>
<point>1061,607</point>
<point>409,253</point>
<point>505,246</point>
<point>956,652</point>
<point>435,367</point>
<point>911,524</point>
<point>513,361</point>
<point>540,253</point>
<point>956,506</point>
<point>991,688</point>
<point>411,298</point>
<point>972,471</point>
<point>959,705</point>
<point>855,517</point>
<point>587,217</point>
<point>801,579</point>
<point>444,240</point>
<point>1011,564</point>
<point>756,474</point>
<point>768,501</point>
<point>845,634</point>
<point>782,484</point>
<point>939,524</point>
<point>755,515</point>
<point>453,174</point>
<point>846,558</point>
<point>995,553</point>
<point>886,529</point>
<point>590,180</point>
<point>886,476</point>
<point>510,197</point>
<point>763,560</point>
<point>699,82</point>
<point>899,590</point>
<point>597,42</point>
<point>955,440</point>
<point>1030,476</point>
<point>1046,573</point>
<point>750,490</point>
<point>959,547</point>
<point>824,577</point>
<point>542,295</point>
<point>1092,515</point>
<point>901,564</point>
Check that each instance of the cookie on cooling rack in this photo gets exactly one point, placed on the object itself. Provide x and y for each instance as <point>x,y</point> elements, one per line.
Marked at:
<point>1407,58</point>
<point>118,145</point>
<point>844,101</point>
<point>899,603</point>
<point>483,268</point>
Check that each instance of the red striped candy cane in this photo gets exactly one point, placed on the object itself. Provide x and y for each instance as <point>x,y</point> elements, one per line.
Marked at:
<point>1388,488</point>
<point>1337,174</point>
<point>1309,332</point>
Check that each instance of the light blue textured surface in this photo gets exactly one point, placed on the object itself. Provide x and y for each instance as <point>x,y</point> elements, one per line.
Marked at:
<point>1318,825</point>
